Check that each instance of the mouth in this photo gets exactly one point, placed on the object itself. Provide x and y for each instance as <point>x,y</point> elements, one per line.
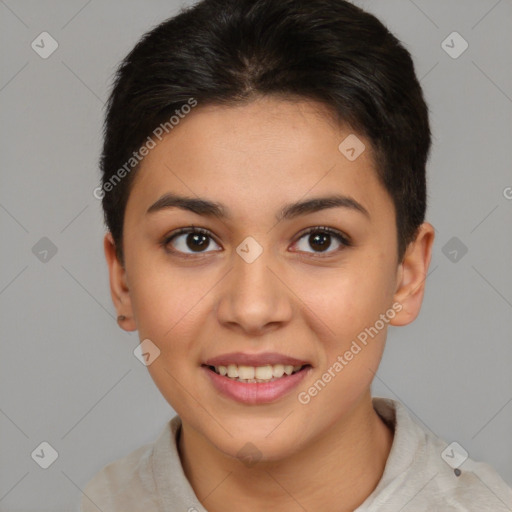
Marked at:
<point>256,374</point>
<point>254,379</point>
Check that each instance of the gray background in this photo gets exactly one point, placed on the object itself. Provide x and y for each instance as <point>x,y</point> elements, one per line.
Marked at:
<point>68,373</point>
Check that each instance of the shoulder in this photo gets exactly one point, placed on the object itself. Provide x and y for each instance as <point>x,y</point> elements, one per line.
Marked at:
<point>461,483</point>
<point>125,484</point>
<point>425,473</point>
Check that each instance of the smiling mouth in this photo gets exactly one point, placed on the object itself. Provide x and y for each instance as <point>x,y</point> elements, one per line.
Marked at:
<point>256,374</point>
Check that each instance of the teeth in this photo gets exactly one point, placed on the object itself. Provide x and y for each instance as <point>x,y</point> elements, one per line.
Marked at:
<point>256,373</point>
<point>278,370</point>
<point>246,372</point>
<point>232,371</point>
<point>264,372</point>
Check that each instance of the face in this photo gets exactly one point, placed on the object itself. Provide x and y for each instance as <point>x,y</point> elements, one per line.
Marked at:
<point>252,275</point>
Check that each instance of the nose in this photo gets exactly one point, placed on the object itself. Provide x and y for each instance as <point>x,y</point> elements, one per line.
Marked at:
<point>254,299</point>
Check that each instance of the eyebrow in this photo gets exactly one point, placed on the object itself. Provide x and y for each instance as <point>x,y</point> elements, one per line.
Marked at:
<point>290,211</point>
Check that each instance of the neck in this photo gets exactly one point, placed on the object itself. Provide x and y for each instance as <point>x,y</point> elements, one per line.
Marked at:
<point>347,460</point>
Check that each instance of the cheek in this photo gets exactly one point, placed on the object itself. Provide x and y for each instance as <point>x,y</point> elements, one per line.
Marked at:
<point>350,303</point>
<point>346,299</point>
<point>170,308</point>
<point>169,303</point>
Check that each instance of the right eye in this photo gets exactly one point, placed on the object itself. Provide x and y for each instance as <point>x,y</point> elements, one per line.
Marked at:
<point>191,239</point>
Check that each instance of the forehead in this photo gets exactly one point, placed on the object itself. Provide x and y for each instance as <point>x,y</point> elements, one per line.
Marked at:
<point>258,156</point>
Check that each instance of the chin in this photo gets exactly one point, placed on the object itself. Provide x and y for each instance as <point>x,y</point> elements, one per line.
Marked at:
<point>254,447</point>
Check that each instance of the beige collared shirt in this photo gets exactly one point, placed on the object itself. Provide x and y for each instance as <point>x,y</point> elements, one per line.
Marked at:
<point>416,478</point>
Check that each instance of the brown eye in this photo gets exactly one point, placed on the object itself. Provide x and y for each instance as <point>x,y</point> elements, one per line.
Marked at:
<point>321,240</point>
<point>189,241</point>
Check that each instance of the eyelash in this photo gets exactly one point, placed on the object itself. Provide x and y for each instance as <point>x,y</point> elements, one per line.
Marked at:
<point>338,235</point>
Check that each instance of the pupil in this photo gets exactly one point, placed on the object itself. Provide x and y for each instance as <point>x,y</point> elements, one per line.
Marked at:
<point>194,241</point>
<point>320,239</point>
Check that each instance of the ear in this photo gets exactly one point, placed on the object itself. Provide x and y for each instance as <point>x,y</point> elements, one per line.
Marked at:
<point>412,274</point>
<point>119,285</point>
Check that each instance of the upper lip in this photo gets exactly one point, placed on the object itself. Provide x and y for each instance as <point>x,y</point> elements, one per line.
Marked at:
<point>262,359</point>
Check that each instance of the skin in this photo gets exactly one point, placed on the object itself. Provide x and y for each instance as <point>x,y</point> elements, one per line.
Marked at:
<point>293,299</point>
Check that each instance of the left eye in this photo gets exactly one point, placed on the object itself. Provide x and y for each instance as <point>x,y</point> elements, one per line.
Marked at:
<point>321,240</point>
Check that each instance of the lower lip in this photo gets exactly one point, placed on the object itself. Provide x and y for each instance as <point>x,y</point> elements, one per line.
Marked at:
<point>256,392</point>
